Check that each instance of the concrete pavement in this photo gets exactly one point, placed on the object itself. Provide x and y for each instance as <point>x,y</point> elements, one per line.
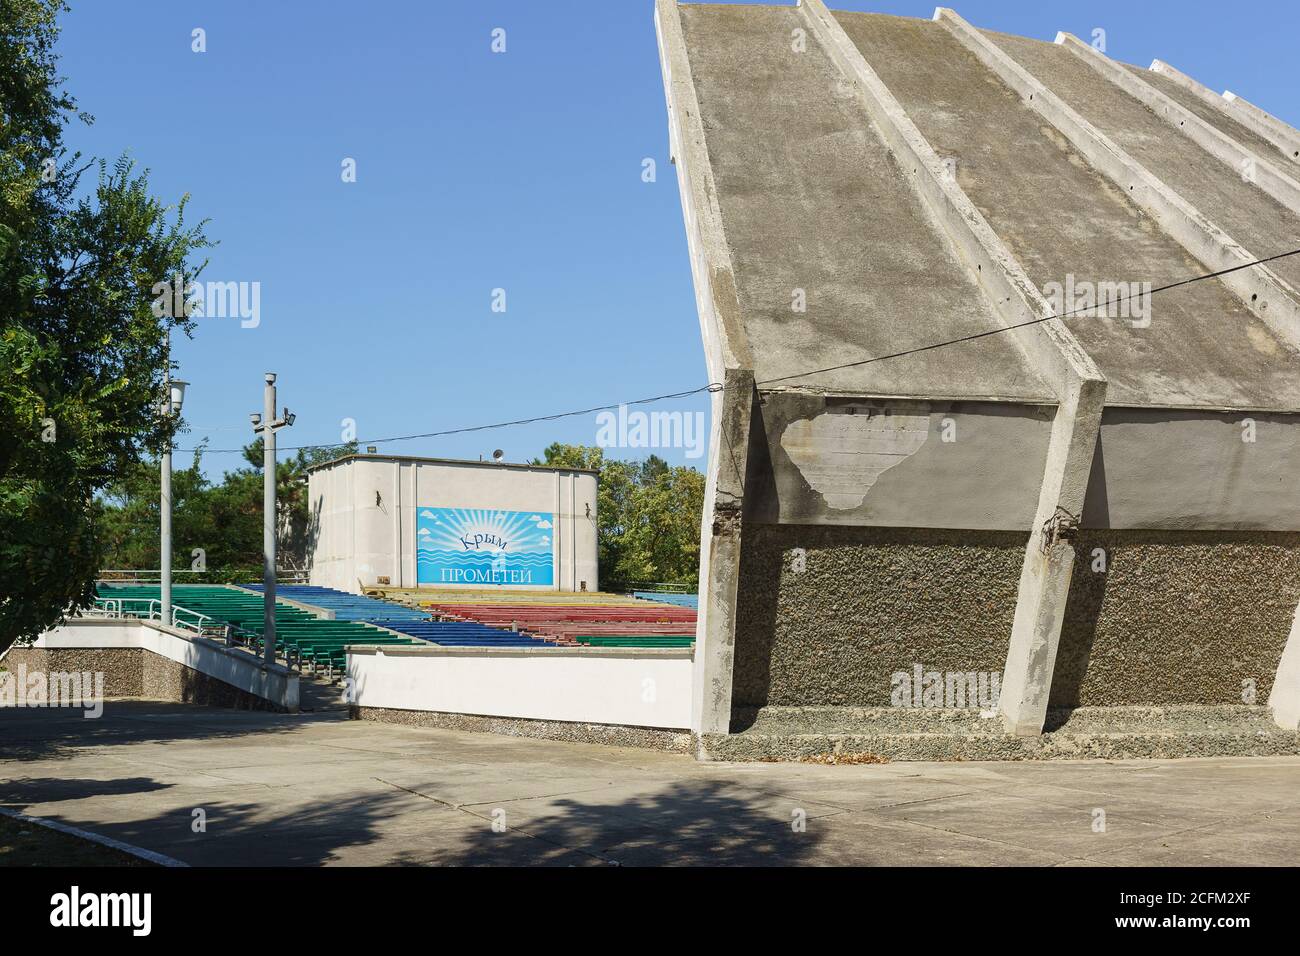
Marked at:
<point>316,789</point>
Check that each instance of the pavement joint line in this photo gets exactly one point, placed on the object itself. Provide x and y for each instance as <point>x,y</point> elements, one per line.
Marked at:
<point>1184,830</point>
<point>540,796</point>
<point>129,849</point>
<point>514,829</point>
<point>803,800</point>
<point>1135,842</point>
<point>1009,792</point>
<point>963,833</point>
<point>913,803</point>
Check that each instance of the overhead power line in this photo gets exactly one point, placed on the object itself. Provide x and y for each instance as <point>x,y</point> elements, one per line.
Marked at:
<point>718,387</point>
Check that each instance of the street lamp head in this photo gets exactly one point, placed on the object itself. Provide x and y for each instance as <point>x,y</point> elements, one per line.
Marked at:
<point>177,396</point>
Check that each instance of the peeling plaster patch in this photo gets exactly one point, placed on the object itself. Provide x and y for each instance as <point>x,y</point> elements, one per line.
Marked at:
<point>842,452</point>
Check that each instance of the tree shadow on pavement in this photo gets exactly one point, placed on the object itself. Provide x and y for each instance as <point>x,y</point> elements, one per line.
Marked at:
<point>699,822</point>
<point>36,733</point>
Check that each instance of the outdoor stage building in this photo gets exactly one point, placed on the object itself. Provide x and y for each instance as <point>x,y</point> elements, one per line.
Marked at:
<point>404,522</point>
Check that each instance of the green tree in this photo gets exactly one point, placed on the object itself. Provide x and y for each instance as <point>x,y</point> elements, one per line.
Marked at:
<point>82,350</point>
<point>648,516</point>
<point>223,518</point>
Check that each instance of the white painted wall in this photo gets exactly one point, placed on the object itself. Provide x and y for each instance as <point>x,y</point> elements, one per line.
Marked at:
<point>237,668</point>
<point>364,514</point>
<point>640,688</point>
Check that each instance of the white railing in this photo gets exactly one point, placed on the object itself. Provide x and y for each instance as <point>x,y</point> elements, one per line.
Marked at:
<point>148,576</point>
<point>150,609</point>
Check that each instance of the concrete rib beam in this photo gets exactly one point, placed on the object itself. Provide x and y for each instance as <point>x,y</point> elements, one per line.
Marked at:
<point>1258,288</point>
<point>1242,161</point>
<point>1081,388</point>
<point>712,677</point>
<point>726,345</point>
<point>730,364</point>
<point>1266,124</point>
<point>1049,345</point>
<point>1286,139</point>
<point>1284,699</point>
<point>1285,696</point>
<point>1048,566</point>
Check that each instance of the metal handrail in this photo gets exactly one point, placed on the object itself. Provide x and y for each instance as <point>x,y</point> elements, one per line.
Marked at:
<point>152,576</point>
<point>178,616</point>
<point>185,618</point>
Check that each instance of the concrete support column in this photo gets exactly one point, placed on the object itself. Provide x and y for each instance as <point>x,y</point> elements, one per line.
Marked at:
<point>1049,561</point>
<point>1284,699</point>
<point>715,634</point>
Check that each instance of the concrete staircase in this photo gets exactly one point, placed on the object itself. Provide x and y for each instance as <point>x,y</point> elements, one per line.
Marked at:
<point>1109,733</point>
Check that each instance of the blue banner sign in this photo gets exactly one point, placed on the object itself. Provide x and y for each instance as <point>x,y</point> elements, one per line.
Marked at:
<point>479,546</point>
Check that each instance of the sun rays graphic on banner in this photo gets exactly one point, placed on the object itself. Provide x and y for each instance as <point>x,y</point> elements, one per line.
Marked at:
<point>484,546</point>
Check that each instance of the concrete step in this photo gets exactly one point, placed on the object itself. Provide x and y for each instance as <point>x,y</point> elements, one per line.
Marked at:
<point>1110,733</point>
<point>317,695</point>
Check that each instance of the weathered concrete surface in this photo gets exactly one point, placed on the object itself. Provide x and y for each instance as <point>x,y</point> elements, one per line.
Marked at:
<point>1237,114</point>
<point>1262,224</point>
<point>726,507</point>
<point>123,668</point>
<point>902,733</point>
<point>1284,697</point>
<point>1253,167</point>
<point>1048,345</point>
<point>613,735</point>
<point>1062,217</point>
<point>821,136</point>
<point>135,672</point>
<point>868,603</point>
<point>811,199</point>
<point>882,462</point>
<point>311,790</point>
<point>1049,561</point>
<point>1187,470</point>
<point>1177,617</point>
<point>1284,134</point>
<point>1218,117</point>
<point>725,344</point>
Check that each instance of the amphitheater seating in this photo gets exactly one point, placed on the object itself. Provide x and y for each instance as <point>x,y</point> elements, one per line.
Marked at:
<point>400,618</point>
<point>300,634</point>
<point>578,621</point>
<point>669,597</point>
<point>304,637</point>
<point>346,607</point>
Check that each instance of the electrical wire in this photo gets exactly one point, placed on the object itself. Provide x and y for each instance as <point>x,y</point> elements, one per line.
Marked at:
<point>718,387</point>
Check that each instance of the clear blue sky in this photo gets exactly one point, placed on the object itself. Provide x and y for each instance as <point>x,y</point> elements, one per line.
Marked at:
<point>474,171</point>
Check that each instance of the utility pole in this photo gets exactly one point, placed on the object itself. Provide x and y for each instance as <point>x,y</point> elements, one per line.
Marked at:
<point>266,424</point>
<point>173,398</point>
<point>165,513</point>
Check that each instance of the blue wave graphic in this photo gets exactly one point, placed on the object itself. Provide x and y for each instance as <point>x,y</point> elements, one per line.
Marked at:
<point>484,558</point>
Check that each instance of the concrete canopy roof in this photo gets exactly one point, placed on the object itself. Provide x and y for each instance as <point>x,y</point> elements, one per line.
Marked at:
<point>813,199</point>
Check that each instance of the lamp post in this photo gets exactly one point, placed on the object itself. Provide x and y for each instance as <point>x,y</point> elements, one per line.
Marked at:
<point>266,425</point>
<point>173,398</point>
